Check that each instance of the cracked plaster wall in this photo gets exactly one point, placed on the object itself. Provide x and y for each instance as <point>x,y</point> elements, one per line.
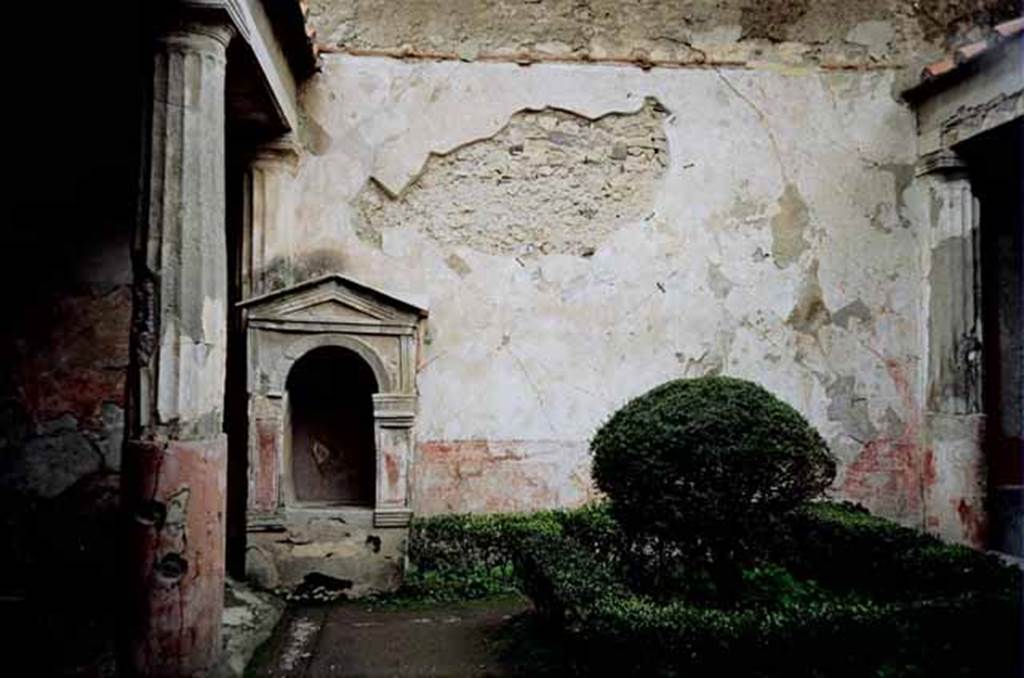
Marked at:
<point>771,239</point>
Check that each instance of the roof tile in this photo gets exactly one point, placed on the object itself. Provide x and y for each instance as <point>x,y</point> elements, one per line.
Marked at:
<point>972,51</point>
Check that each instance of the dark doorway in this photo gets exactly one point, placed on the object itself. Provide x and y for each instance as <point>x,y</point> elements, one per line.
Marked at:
<point>332,438</point>
<point>995,162</point>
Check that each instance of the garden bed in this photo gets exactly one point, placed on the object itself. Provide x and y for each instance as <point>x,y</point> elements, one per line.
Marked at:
<point>843,594</point>
<point>715,556</point>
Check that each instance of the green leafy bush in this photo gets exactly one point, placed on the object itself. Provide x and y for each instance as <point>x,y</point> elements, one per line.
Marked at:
<point>843,546</point>
<point>460,556</point>
<point>841,593</point>
<point>789,626</point>
<point>704,470</point>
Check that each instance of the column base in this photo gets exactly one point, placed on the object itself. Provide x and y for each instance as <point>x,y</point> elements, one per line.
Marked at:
<point>173,495</point>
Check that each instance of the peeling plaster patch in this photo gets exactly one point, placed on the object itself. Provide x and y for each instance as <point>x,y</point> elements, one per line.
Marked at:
<point>458,264</point>
<point>855,309</point>
<point>368,234</point>
<point>876,36</point>
<point>174,533</point>
<point>894,424</point>
<point>788,227</point>
<point>902,176</point>
<point>720,285</point>
<point>849,409</point>
<point>771,20</point>
<point>881,217</point>
<point>707,364</point>
<point>810,312</point>
<point>549,182</point>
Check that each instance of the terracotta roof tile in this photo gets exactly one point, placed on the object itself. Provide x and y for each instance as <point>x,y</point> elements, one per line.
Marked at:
<point>1010,28</point>
<point>938,68</point>
<point>970,52</point>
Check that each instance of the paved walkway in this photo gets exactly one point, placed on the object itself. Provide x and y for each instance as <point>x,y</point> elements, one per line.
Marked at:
<point>470,639</point>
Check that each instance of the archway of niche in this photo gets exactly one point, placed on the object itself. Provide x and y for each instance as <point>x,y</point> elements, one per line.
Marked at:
<point>300,347</point>
<point>331,428</point>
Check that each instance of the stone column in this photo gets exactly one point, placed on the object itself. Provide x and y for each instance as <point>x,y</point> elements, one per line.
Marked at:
<point>267,243</point>
<point>173,482</point>
<point>954,485</point>
<point>954,355</point>
<point>393,417</point>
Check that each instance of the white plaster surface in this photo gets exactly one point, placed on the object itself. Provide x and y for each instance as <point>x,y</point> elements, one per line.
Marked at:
<point>531,353</point>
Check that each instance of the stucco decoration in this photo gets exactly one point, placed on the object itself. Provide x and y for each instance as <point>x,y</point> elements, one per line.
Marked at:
<point>335,311</point>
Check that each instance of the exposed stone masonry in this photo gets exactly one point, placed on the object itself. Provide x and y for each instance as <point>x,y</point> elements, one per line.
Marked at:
<point>837,33</point>
<point>549,182</point>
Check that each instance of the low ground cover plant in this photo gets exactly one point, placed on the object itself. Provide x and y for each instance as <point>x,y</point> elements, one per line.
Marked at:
<point>715,555</point>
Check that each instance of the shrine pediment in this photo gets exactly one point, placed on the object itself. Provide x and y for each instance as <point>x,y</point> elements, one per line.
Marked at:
<point>334,299</point>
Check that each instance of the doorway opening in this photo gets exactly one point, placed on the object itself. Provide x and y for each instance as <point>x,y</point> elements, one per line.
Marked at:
<point>995,160</point>
<point>330,412</point>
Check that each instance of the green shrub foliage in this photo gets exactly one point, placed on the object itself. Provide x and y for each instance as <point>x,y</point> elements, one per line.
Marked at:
<point>705,469</point>
<point>873,610</point>
<point>841,593</point>
<point>465,556</point>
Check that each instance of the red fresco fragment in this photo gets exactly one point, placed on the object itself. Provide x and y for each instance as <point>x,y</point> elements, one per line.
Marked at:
<point>973,521</point>
<point>499,475</point>
<point>266,474</point>
<point>906,468</point>
<point>392,470</point>
<point>80,362</point>
<point>174,494</point>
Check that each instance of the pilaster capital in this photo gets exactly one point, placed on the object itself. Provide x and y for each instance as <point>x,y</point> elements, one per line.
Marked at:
<point>280,153</point>
<point>204,30</point>
<point>394,410</point>
<point>944,161</point>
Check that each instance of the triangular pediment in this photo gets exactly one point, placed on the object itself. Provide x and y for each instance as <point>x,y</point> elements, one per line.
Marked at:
<point>334,298</point>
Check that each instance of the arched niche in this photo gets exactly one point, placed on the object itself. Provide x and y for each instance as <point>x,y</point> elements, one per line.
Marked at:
<point>330,428</point>
<point>359,335</point>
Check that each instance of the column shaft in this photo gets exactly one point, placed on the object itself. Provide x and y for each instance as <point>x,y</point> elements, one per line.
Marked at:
<point>173,481</point>
<point>954,311</point>
<point>954,493</point>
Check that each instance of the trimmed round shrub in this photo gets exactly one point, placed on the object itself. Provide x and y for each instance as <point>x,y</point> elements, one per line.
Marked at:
<point>707,468</point>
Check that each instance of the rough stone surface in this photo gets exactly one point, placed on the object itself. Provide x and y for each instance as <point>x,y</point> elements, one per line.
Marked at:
<point>248,621</point>
<point>340,546</point>
<point>550,182</point>
<point>795,31</point>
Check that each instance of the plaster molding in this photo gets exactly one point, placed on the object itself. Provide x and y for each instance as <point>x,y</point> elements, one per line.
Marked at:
<point>369,327</point>
<point>942,161</point>
<point>300,347</point>
<point>391,517</point>
<point>280,154</point>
